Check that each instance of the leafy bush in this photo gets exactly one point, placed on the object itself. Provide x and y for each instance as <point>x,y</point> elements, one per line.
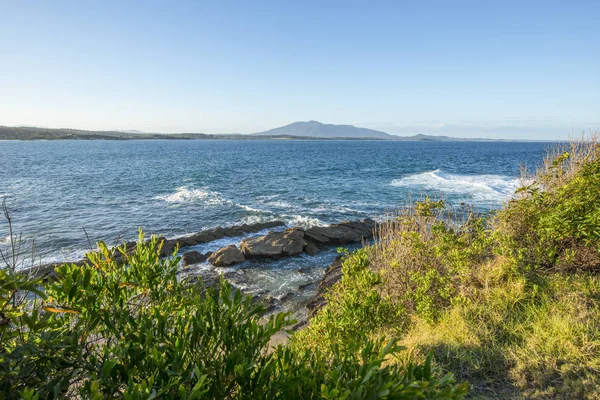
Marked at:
<point>425,255</point>
<point>555,223</point>
<point>355,308</point>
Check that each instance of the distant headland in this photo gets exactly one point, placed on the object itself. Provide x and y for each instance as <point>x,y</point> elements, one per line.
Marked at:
<point>301,130</point>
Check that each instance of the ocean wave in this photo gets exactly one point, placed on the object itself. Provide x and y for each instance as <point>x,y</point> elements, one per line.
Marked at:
<point>302,220</point>
<point>342,209</point>
<point>184,194</point>
<point>480,187</point>
<point>252,209</point>
<point>321,207</point>
<point>283,204</point>
<point>254,219</point>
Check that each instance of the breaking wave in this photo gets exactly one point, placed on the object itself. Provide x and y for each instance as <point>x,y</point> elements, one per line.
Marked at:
<point>495,188</point>
<point>302,220</point>
<point>184,194</point>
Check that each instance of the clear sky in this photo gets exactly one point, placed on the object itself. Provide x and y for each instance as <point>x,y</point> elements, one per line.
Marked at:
<point>511,69</point>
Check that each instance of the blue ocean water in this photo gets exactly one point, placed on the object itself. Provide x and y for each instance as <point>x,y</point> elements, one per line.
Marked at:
<point>176,187</point>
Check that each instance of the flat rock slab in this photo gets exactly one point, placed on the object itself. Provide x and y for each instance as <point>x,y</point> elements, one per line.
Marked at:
<point>343,233</point>
<point>210,235</point>
<point>226,256</point>
<point>275,244</point>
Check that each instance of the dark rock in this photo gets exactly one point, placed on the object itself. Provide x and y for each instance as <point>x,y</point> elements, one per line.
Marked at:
<point>302,288</point>
<point>346,232</point>
<point>331,277</point>
<point>226,256</point>
<point>311,249</point>
<point>233,231</point>
<point>287,296</point>
<point>275,244</point>
<point>168,246</point>
<point>193,257</point>
<point>267,225</point>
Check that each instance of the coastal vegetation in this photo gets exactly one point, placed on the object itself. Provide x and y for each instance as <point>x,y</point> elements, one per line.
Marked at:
<point>508,302</point>
<point>444,303</point>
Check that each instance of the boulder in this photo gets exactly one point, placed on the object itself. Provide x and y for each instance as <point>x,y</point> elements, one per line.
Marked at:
<point>226,256</point>
<point>267,225</point>
<point>346,232</point>
<point>311,249</point>
<point>209,235</point>
<point>275,244</point>
<point>193,257</point>
<point>168,245</point>
<point>233,231</point>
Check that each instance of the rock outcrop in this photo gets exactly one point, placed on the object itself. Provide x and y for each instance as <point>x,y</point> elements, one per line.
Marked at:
<point>168,245</point>
<point>226,256</point>
<point>294,241</point>
<point>210,235</point>
<point>275,244</point>
<point>193,257</point>
<point>331,277</point>
<point>343,233</point>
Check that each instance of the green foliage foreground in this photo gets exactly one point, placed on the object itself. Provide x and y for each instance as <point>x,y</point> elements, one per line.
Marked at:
<point>135,330</point>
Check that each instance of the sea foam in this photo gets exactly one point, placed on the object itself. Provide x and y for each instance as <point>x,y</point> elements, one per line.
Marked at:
<point>184,194</point>
<point>495,188</point>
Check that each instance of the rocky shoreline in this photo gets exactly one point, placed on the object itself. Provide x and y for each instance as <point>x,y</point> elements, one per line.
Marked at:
<point>274,245</point>
<point>293,241</point>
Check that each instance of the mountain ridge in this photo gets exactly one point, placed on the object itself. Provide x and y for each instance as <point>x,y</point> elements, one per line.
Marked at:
<point>320,130</point>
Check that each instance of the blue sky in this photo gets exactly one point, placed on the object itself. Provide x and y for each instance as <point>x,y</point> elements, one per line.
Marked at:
<point>509,69</point>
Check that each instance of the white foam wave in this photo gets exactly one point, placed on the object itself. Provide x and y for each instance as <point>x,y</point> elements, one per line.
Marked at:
<point>302,220</point>
<point>283,204</point>
<point>336,208</point>
<point>254,219</point>
<point>252,209</point>
<point>184,194</point>
<point>323,208</point>
<point>495,188</point>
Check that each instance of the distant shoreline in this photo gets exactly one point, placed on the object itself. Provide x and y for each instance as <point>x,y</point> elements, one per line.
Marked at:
<point>40,134</point>
<point>35,133</point>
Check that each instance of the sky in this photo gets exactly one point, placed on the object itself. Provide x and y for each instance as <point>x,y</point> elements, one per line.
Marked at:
<point>506,69</point>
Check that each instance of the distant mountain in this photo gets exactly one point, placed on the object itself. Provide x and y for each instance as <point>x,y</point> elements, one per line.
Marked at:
<point>315,129</point>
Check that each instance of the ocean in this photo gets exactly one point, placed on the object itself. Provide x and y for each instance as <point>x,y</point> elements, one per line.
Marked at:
<point>169,187</point>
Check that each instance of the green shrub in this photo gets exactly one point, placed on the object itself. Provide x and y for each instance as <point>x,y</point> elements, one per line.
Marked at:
<point>355,308</point>
<point>426,256</point>
<point>556,222</point>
